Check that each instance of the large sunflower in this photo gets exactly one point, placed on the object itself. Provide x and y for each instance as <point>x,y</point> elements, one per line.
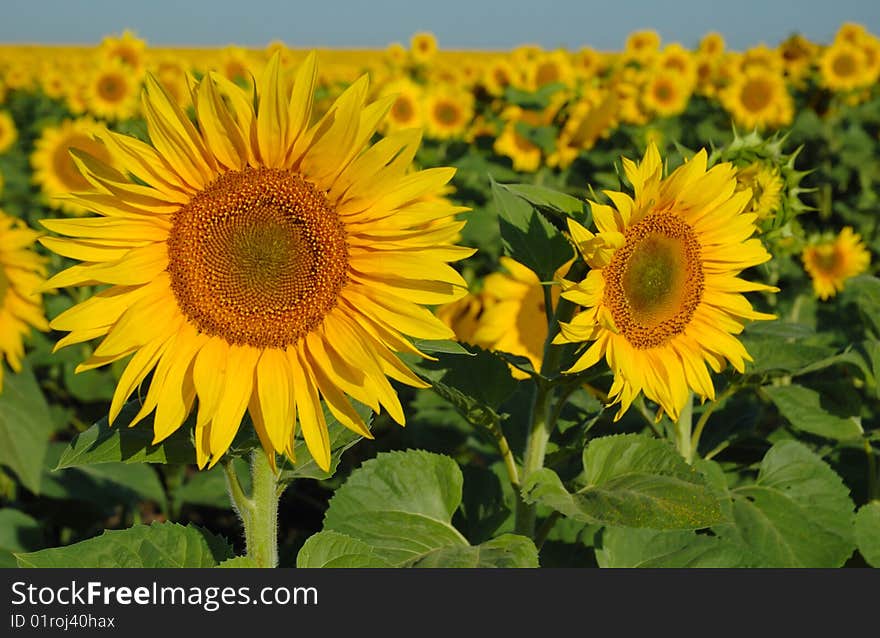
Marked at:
<point>662,297</point>
<point>259,263</point>
<point>21,273</point>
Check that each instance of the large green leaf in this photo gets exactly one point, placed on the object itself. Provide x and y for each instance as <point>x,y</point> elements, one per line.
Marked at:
<point>867,532</point>
<point>527,236</point>
<point>396,510</point>
<point>628,547</point>
<point>25,427</point>
<point>18,533</point>
<point>631,481</point>
<point>804,410</point>
<point>156,545</point>
<point>865,291</point>
<point>102,443</point>
<point>548,198</point>
<point>798,513</point>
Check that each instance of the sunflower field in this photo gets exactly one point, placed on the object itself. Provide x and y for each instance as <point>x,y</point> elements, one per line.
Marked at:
<point>624,303</point>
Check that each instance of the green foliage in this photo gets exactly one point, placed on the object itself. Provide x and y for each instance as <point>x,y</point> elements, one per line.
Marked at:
<point>156,545</point>
<point>396,510</point>
<point>25,427</point>
<point>633,481</point>
<point>527,236</point>
<point>803,409</point>
<point>867,532</point>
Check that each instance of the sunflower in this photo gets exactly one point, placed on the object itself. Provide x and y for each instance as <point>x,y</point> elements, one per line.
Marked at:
<point>236,64</point>
<point>406,110</point>
<point>765,184</point>
<point>525,154</point>
<point>550,68</point>
<point>678,61</point>
<point>831,262</point>
<point>396,54</point>
<point>712,45</point>
<point>642,46</point>
<point>498,75</point>
<point>758,98</point>
<point>21,273</point>
<point>447,113</point>
<point>111,91</point>
<point>8,132</point>
<point>127,49</point>
<point>260,263</point>
<point>463,315</point>
<point>843,67</point>
<point>423,47</point>
<point>661,299</point>
<point>54,168</point>
<point>513,317</point>
<point>592,117</point>
<point>797,55</point>
<point>667,93</point>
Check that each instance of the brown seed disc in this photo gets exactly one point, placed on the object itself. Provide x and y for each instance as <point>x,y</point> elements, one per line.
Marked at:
<point>258,257</point>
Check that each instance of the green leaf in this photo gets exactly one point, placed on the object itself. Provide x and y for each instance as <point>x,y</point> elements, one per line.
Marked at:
<point>104,444</point>
<point>797,514</point>
<point>865,292</point>
<point>332,549</point>
<point>441,347</point>
<point>341,439</point>
<point>628,547</point>
<point>396,511</point>
<point>157,545</point>
<point>18,533</point>
<point>804,409</point>
<point>631,481</point>
<point>527,236</point>
<point>549,199</point>
<point>867,532</point>
<point>25,427</point>
<point>771,354</point>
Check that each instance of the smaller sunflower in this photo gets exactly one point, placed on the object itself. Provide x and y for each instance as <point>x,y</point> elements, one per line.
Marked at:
<point>758,98</point>
<point>843,67</point>
<point>54,168</point>
<point>642,46</point>
<point>406,111</point>
<point>463,316</point>
<point>667,93</point>
<point>127,49</point>
<point>21,272</point>
<point>765,184</point>
<point>514,317</point>
<point>550,68</point>
<point>525,154</point>
<point>712,45</point>
<point>831,262</point>
<point>498,75</point>
<point>8,132</point>
<point>423,47</point>
<point>112,91</point>
<point>447,113</point>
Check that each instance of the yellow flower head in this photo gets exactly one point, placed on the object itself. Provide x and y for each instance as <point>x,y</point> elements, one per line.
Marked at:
<point>498,75</point>
<point>112,90</point>
<point>666,93</point>
<point>423,47</point>
<point>21,273</point>
<point>712,45</point>
<point>831,262</point>
<point>260,262</point>
<point>54,167</point>
<point>662,297</point>
<point>447,112</point>
<point>549,68</point>
<point>8,132</point>
<point>843,66</point>
<point>406,110</point>
<point>642,46</point>
<point>765,184</point>
<point>525,154</point>
<point>127,49</point>
<point>758,98</point>
<point>514,318</point>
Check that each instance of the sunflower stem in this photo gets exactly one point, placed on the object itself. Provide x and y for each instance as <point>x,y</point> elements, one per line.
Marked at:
<point>543,416</point>
<point>683,430</point>
<point>259,512</point>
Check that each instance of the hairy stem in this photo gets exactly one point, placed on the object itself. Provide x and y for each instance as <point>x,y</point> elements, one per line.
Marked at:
<point>258,512</point>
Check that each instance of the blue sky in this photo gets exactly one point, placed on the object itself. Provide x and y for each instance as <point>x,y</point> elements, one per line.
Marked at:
<point>471,24</point>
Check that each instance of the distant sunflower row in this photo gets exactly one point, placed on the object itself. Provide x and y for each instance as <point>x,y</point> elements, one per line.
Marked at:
<point>584,95</point>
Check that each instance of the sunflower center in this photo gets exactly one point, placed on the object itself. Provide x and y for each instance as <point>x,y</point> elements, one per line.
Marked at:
<point>258,258</point>
<point>402,110</point>
<point>828,258</point>
<point>654,282</point>
<point>844,65</point>
<point>111,88</point>
<point>446,113</point>
<point>663,92</point>
<point>756,95</point>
